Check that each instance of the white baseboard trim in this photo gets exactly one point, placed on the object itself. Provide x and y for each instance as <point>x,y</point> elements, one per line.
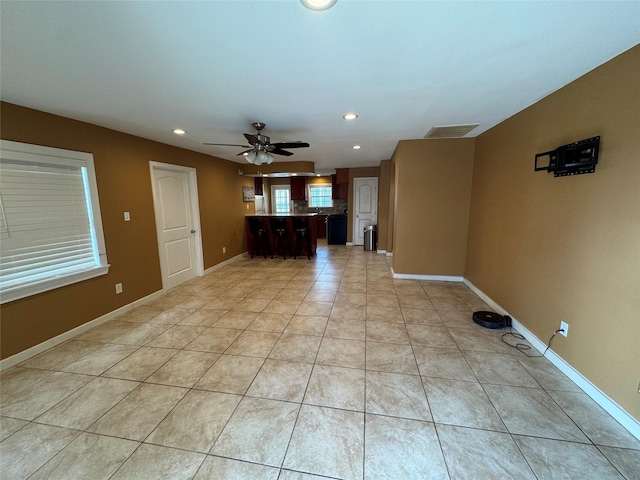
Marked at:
<point>389,254</point>
<point>350,244</point>
<point>381,251</point>
<point>226,262</point>
<point>63,337</point>
<point>441,278</point>
<point>598,396</point>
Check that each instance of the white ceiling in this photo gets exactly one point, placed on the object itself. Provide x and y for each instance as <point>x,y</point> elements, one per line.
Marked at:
<point>215,67</point>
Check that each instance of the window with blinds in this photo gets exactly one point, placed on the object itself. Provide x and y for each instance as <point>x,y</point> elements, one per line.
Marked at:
<point>50,226</point>
<point>320,195</point>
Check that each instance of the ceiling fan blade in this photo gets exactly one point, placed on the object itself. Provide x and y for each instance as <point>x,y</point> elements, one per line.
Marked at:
<point>252,139</point>
<point>277,151</point>
<point>290,144</point>
<point>228,145</point>
<point>246,151</point>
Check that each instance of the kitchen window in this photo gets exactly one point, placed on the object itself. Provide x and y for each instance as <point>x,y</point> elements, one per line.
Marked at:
<point>320,195</point>
<point>50,224</point>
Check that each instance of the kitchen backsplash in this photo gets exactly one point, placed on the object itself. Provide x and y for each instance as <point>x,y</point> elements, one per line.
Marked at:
<point>302,206</point>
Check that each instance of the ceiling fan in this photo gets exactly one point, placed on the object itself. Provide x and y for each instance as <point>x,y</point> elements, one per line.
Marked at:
<point>260,148</point>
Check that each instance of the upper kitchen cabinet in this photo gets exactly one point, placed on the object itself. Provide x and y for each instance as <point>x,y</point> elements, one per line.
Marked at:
<point>340,184</point>
<point>257,183</point>
<point>342,176</point>
<point>298,188</point>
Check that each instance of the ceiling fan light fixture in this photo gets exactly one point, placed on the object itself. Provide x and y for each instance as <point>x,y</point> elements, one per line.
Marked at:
<point>251,157</point>
<point>260,147</point>
<point>350,116</point>
<point>318,5</point>
<point>263,157</point>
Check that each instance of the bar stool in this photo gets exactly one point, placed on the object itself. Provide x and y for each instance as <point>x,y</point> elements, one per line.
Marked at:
<point>261,242</point>
<point>303,236</point>
<point>279,235</point>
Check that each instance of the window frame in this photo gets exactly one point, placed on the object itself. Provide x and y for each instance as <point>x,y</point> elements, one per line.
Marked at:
<point>24,152</point>
<point>322,185</point>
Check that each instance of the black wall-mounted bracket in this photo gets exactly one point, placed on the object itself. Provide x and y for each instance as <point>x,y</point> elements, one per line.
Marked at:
<point>572,159</point>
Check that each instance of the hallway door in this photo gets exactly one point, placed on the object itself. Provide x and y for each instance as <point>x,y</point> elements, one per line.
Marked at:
<point>175,200</point>
<point>365,202</point>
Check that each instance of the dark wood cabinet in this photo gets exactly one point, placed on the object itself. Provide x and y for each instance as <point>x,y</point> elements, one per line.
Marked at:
<point>339,191</point>
<point>321,226</point>
<point>342,176</point>
<point>298,188</point>
<point>257,185</point>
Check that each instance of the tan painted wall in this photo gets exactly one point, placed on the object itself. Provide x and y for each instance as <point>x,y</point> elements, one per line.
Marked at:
<point>124,184</point>
<point>433,187</point>
<point>391,223</point>
<point>568,248</point>
<point>383,204</point>
<point>278,166</point>
<point>324,180</point>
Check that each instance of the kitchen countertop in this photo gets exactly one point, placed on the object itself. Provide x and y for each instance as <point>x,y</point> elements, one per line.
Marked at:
<point>283,215</point>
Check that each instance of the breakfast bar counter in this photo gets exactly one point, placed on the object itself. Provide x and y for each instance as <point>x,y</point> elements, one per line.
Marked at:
<point>281,234</point>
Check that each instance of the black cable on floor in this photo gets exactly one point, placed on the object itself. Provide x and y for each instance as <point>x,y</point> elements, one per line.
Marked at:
<point>523,347</point>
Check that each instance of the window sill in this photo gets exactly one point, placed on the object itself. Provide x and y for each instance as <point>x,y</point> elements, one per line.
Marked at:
<point>44,286</point>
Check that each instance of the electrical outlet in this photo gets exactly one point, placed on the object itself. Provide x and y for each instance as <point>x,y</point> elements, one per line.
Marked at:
<point>564,326</point>
<point>224,249</point>
<point>118,288</point>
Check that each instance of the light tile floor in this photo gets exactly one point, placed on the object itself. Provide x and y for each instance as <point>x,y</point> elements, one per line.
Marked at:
<point>298,369</point>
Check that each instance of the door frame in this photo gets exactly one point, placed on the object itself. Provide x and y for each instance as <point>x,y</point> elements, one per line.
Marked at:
<point>273,197</point>
<point>356,204</point>
<point>195,215</point>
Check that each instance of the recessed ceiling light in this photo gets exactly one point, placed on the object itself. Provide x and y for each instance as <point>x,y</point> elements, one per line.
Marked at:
<point>350,116</point>
<point>318,4</point>
<point>357,147</point>
<point>179,131</point>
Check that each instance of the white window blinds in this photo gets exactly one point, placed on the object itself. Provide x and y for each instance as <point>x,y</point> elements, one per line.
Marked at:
<point>49,236</point>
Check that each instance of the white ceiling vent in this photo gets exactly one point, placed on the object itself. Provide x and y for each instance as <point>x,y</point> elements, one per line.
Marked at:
<point>450,131</point>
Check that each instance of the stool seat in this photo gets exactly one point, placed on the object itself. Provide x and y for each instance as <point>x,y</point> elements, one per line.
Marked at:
<point>302,237</point>
<point>279,236</point>
<point>260,236</point>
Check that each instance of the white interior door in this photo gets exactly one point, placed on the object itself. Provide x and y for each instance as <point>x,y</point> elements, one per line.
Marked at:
<point>175,200</point>
<point>365,199</point>
<point>281,199</point>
